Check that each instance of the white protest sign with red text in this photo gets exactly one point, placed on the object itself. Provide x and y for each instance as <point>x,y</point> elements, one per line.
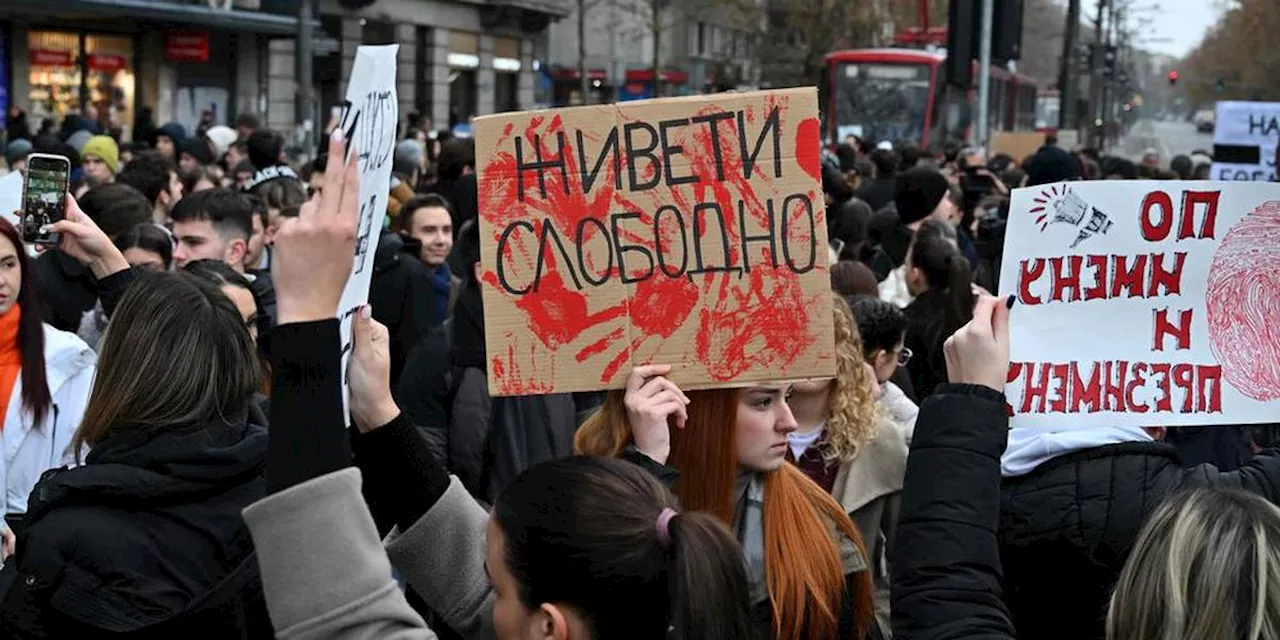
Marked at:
<point>1144,303</point>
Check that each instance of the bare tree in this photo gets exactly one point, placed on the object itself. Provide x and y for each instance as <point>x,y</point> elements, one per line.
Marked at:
<point>1237,58</point>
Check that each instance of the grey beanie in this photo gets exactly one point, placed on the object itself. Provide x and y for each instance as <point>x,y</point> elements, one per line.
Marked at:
<point>408,157</point>
<point>17,150</point>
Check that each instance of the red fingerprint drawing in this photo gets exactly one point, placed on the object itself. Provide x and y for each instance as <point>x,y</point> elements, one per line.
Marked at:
<point>1242,297</point>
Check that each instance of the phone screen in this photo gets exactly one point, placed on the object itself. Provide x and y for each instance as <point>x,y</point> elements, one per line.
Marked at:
<point>44,197</point>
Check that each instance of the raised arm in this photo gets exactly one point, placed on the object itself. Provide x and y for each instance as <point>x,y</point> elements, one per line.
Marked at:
<point>324,572</point>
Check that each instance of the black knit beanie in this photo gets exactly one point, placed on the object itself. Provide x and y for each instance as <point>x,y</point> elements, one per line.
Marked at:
<point>917,192</point>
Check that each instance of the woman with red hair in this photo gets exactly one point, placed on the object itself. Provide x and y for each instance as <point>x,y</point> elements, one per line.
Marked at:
<point>805,558</point>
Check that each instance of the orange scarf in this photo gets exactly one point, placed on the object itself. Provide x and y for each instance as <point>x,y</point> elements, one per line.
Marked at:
<point>10,357</point>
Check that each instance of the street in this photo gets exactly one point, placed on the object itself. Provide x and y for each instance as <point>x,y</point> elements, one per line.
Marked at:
<point>1170,138</point>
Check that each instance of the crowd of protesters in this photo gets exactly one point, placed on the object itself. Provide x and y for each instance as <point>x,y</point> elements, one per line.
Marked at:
<point>177,459</point>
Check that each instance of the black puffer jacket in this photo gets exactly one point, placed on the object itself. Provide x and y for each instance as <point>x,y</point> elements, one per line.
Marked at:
<point>485,441</point>
<point>145,540</point>
<point>946,560</point>
<point>1067,528</point>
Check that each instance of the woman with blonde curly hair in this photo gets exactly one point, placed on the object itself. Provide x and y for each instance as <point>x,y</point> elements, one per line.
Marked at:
<point>852,448</point>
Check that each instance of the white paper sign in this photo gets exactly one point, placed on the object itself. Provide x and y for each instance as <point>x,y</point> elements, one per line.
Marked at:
<point>369,118</point>
<point>1244,141</point>
<point>1144,303</point>
<point>11,196</point>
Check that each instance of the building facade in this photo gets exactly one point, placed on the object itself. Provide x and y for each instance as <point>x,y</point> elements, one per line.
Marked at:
<point>703,46</point>
<point>123,61</point>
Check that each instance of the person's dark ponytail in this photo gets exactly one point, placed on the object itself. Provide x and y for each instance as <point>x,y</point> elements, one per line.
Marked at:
<point>945,269</point>
<point>603,536</point>
<point>959,290</point>
<point>706,579</point>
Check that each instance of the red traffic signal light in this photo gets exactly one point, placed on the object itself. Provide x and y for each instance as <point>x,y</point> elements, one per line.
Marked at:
<point>1173,77</point>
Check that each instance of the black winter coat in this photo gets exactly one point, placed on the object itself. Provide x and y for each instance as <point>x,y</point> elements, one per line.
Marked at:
<point>67,289</point>
<point>402,297</point>
<point>946,560</point>
<point>1067,527</point>
<point>145,540</point>
<point>484,441</point>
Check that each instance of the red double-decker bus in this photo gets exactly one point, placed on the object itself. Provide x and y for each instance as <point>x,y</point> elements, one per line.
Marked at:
<point>902,95</point>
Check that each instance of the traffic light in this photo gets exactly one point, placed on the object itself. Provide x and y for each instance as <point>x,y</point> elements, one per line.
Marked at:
<point>1173,77</point>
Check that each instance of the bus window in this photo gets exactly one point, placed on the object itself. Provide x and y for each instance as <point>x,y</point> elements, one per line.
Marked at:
<point>880,102</point>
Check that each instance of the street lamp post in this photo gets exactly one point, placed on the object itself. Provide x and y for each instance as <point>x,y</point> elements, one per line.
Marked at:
<point>983,129</point>
<point>305,58</point>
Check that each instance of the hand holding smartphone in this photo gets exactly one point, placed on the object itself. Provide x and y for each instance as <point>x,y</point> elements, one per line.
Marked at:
<point>44,197</point>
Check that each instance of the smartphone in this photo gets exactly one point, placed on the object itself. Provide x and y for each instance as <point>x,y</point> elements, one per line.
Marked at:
<point>44,196</point>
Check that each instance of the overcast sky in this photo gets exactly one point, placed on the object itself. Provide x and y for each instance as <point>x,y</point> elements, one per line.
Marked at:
<point>1182,23</point>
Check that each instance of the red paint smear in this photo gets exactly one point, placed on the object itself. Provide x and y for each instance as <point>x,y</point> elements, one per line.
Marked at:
<point>557,315</point>
<point>506,133</point>
<point>598,347</point>
<point>511,379</point>
<point>762,329</point>
<point>661,305</point>
<point>615,365</point>
<point>809,147</point>
<point>1242,298</point>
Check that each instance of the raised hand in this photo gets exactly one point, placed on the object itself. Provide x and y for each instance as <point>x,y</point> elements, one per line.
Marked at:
<point>369,373</point>
<point>979,352</point>
<point>651,400</point>
<point>314,252</point>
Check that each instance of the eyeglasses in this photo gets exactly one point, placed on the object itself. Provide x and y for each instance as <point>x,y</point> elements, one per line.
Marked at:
<point>904,356</point>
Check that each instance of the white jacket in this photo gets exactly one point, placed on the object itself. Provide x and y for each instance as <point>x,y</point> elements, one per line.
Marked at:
<point>31,449</point>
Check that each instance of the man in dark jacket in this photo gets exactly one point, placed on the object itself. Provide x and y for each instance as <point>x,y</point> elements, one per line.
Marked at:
<point>878,192</point>
<point>444,390</point>
<point>402,296</point>
<point>67,288</point>
<point>1072,504</point>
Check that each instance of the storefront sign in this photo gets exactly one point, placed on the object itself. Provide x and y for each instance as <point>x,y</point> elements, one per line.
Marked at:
<point>506,64</point>
<point>50,58</point>
<point>106,62</point>
<point>186,46</point>
<point>463,60</point>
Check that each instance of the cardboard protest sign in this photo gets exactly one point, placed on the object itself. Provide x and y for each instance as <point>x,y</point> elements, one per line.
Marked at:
<point>682,231</point>
<point>369,118</point>
<point>1244,141</point>
<point>1144,303</point>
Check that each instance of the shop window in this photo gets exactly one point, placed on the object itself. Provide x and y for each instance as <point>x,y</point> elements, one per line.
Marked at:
<point>506,88</point>
<point>90,74</point>
<point>109,79</point>
<point>375,32</point>
<point>55,75</point>
<point>463,60</point>
<point>424,76</point>
<point>462,96</point>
